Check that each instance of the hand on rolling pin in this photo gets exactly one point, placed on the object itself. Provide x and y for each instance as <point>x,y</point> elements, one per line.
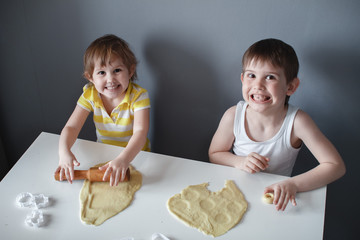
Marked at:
<point>66,166</point>
<point>116,169</point>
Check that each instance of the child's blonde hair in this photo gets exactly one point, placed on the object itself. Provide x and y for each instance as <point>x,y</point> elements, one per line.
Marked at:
<point>103,48</point>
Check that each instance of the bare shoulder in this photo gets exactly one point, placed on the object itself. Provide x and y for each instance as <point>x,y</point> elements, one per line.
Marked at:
<point>318,144</point>
<point>229,114</point>
<point>226,124</point>
<point>79,114</point>
<point>304,125</point>
<point>224,137</point>
<point>302,117</point>
<point>227,120</point>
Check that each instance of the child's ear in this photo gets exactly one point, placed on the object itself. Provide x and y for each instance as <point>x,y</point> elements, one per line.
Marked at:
<point>242,77</point>
<point>132,70</point>
<point>88,76</point>
<point>292,86</point>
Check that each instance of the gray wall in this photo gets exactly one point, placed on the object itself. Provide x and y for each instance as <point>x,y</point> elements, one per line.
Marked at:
<point>190,60</point>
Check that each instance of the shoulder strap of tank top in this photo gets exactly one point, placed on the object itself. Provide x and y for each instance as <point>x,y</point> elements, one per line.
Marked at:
<point>290,117</point>
<point>238,118</point>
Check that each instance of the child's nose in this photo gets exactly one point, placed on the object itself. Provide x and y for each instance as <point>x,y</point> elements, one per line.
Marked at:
<point>258,84</point>
<point>111,77</point>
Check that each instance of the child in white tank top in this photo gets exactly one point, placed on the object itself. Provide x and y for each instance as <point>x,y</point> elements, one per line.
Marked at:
<point>265,133</point>
<point>278,148</point>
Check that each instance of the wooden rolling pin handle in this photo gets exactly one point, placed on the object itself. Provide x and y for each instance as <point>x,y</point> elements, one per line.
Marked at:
<point>78,175</point>
<point>93,175</point>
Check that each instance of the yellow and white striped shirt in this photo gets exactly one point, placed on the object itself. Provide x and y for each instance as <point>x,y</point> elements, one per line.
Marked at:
<point>117,128</point>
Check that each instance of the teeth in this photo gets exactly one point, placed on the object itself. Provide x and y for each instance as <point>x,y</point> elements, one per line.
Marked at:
<point>260,98</point>
<point>111,87</point>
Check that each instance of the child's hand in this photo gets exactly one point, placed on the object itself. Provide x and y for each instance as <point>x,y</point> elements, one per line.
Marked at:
<point>115,169</point>
<point>66,166</point>
<point>254,163</point>
<point>284,192</point>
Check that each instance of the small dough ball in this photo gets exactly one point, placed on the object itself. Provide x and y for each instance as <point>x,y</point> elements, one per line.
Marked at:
<point>268,198</point>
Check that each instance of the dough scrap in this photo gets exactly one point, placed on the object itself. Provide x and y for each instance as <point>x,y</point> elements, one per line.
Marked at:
<point>99,201</point>
<point>268,198</point>
<point>213,213</point>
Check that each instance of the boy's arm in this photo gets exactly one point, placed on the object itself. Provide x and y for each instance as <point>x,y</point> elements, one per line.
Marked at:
<point>68,136</point>
<point>223,139</point>
<point>331,166</point>
<point>120,164</point>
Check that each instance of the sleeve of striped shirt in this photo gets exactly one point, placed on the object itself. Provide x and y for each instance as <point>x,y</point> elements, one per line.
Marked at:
<point>85,99</point>
<point>141,101</point>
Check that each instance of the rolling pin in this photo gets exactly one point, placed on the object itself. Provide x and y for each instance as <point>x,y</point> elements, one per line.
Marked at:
<point>93,175</point>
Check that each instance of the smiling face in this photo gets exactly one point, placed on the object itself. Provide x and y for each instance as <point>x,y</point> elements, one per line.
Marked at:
<point>111,80</point>
<point>264,86</point>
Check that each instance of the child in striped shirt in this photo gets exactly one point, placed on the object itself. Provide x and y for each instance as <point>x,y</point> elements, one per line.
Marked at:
<point>120,108</point>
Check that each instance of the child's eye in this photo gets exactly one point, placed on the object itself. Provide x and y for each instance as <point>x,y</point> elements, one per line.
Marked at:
<point>117,70</point>
<point>270,77</point>
<point>101,73</point>
<point>251,75</point>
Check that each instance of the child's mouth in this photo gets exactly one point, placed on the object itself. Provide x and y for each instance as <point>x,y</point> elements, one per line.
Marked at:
<point>260,98</point>
<point>112,87</point>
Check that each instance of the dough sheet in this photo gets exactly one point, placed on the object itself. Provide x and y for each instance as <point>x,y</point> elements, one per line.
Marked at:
<point>213,213</point>
<point>99,201</point>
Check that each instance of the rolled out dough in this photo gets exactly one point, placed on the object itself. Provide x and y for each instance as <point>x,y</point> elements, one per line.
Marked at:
<point>213,213</point>
<point>99,201</point>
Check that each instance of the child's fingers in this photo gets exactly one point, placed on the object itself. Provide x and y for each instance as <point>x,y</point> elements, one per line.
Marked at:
<point>283,194</point>
<point>284,203</point>
<point>259,162</point>
<point>113,177</point>
<point>293,200</point>
<point>61,174</point>
<point>279,201</point>
<point>123,174</point>
<point>117,176</point>
<point>104,167</point>
<point>71,171</point>
<point>277,195</point>
<point>107,172</point>
<point>250,164</point>
<point>249,169</point>
<point>76,163</point>
<point>57,170</point>
<point>67,174</point>
<point>255,165</point>
<point>268,190</point>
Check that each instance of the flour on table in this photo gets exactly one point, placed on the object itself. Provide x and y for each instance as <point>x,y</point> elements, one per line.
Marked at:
<point>99,201</point>
<point>213,213</point>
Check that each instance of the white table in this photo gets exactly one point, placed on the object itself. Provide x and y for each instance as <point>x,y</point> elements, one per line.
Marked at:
<point>163,176</point>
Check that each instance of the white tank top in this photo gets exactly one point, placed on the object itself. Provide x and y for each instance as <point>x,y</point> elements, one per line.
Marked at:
<point>278,149</point>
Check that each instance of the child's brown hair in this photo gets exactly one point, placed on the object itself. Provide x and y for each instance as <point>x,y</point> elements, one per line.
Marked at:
<point>276,52</point>
<point>103,48</point>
